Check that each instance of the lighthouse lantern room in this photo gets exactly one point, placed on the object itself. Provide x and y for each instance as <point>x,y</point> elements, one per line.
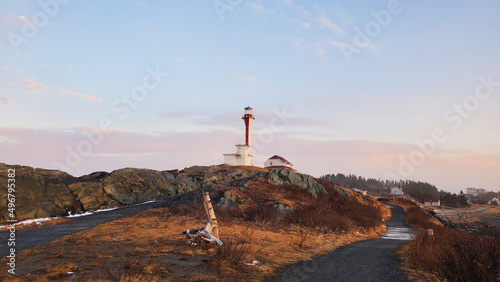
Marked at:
<point>243,154</point>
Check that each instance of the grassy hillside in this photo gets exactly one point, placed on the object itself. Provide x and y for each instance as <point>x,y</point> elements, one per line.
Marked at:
<point>263,226</point>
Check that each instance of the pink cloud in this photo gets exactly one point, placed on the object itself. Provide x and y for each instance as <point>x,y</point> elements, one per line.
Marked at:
<point>32,82</point>
<point>4,100</point>
<point>78,94</point>
<point>447,169</point>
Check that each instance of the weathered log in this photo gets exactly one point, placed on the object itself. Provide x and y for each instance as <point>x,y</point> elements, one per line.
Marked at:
<point>210,232</point>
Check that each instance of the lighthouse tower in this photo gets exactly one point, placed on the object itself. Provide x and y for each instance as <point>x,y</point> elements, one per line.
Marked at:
<point>248,118</point>
<point>243,154</point>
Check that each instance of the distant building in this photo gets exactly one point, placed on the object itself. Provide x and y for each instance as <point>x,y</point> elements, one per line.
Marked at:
<point>494,200</point>
<point>432,202</point>
<point>277,162</point>
<point>243,154</point>
<point>397,191</point>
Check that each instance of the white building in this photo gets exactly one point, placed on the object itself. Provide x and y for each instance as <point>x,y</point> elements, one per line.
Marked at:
<point>243,154</point>
<point>277,162</point>
<point>432,202</point>
<point>397,191</point>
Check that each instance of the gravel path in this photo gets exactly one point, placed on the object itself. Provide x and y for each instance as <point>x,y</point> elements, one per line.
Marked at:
<point>31,237</point>
<point>370,260</point>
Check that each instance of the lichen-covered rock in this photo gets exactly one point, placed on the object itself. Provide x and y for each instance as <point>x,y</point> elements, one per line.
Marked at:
<point>229,199</point>
<point>286,177</point>
<point>342,192</point>
<point>42,193</point>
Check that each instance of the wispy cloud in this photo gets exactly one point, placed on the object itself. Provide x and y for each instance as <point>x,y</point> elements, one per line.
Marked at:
<point>256,5</point>
<point>5,68</point>
<point>32,82</point>
<point>244,76</point>
<point>323,21</point>
<point>168,150</point>
<point>11,22</point>
<point>8,139</point>
<point>288,3</point>
<point>4,100</point>
<point>340,45</point>
<point>78,94</point>
<point>315,47</point>
<point>60,90</point>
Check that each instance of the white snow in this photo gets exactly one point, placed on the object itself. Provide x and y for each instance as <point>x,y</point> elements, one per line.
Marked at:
<point>401,233</point>
<point>30,221</point>
<point>40,220</point>
<point>87,213</point>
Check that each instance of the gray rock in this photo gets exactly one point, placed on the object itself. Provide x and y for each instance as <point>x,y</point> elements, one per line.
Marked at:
<point>42,193</point>
<point>283,208</point>
<point>285,177</point>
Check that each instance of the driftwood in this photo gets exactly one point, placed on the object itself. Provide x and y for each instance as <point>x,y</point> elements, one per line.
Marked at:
<point>210,232</point>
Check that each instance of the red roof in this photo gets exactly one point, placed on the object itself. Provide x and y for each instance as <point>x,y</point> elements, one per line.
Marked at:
<point>276,157</point>
<point>431,200</point>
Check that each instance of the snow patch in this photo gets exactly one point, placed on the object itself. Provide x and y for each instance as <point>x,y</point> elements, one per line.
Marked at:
<point>400,233</point>
<point>87,213</point>
<point>31,221</point>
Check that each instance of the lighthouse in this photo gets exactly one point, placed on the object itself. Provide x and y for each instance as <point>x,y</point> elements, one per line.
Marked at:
<point>243,154</point>
<point>248,118</point>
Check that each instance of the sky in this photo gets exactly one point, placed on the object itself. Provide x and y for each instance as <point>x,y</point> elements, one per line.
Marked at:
<point>383,89</point>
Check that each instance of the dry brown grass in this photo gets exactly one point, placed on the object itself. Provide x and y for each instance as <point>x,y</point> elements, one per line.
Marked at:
<point>259,240</point>
<point>146,247</point>
<point>449,254</point>
<point>493,210</point>
<point>328,212</point>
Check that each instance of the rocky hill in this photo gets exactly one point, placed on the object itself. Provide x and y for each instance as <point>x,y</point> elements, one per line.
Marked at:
<point>43,193</point>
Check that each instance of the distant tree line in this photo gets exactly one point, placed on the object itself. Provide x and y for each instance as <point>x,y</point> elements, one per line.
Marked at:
<point>453,200</point>
<point>416,189</point>
<point>483,198</point>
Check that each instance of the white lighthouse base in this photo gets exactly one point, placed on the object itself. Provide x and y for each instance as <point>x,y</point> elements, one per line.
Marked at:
<point>242,156</point>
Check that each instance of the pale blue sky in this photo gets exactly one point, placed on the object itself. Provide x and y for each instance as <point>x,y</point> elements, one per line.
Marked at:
<point>271,55</point>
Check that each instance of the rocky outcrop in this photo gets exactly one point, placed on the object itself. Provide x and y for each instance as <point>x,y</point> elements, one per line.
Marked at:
<point>43,193</point>
<point>286,177</point>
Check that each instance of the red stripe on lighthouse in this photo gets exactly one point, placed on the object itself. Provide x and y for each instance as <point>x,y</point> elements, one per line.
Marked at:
<point>246,129</point>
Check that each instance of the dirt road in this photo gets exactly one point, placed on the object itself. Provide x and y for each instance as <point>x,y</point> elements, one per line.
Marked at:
<point>31,237</point>
<point>370,260</point>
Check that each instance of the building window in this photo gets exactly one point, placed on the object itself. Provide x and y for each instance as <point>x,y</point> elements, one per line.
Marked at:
<point>271,163</point>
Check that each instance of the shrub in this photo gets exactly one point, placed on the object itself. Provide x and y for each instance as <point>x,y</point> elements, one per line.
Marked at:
<point>330,211</point>
<point>418,218</point>
<point>196,210</point>
<point>234,253</point>
<point>263,215</point>
<point>451,254</point>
